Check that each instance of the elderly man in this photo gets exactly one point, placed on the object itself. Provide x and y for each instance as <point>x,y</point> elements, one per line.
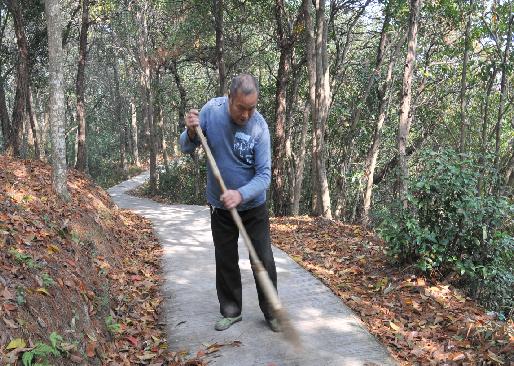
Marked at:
<point>239,139</point>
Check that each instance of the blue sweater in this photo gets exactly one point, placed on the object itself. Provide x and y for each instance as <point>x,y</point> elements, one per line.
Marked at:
<point>242,153</point>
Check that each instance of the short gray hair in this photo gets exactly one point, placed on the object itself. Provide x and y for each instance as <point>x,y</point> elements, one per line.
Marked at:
<point>244,83</point>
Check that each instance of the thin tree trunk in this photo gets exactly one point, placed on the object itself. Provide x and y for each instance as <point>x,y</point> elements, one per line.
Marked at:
<point>405,104</point>
<point>133,120</point>
<point>349,141</point>
<point>81,162</point>
<point>120,121</point>
<point>33,124</point>
<point>56,102</point>
<point>144,77</point>
<point>279,194</point>
<point>324,96</point>
<point>300,162</point>
<point>153,139</point>
<point>464,124</point>
<point>485,128</point>
<point>509,172</point>
<point>24,138</point>
<point>182,93</point>
<point>4,115</point>
<point>503,95</point>
<point>218,26</point>
<point>311,71</point>
<point>291,103</point>
<point>384,98</point>
<point>162,135</point>
<point>22,80</point>
<point>319,74</point>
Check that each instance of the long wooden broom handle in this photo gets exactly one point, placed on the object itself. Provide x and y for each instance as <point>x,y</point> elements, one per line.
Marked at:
<point>262,275</point>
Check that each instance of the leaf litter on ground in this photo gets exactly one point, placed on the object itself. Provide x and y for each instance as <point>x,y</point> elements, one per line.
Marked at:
<point>84,269</point>
<point>420,320</point>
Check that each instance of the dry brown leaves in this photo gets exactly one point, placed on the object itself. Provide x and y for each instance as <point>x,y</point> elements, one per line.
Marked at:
<point>104,267</point>
<point>420,321</point>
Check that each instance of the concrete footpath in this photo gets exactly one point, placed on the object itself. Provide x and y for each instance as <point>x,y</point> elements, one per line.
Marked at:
<point>331,333</point>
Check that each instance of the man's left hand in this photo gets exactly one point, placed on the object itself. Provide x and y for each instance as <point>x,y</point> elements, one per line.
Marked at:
<point>231,198</point>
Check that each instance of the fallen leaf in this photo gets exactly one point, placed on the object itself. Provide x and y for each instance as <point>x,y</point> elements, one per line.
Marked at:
<point>10,323</point>
<point>43,291</point>
<point>7,295</point>
<point>52,249</point>
<point>132,340</point>
<point>76,359</point>
<point>147,356</point>
<point>394,326</point>
<point>90,349</point>
<point>16,343</point>
<point>459,357</point>
<point>495,357</point>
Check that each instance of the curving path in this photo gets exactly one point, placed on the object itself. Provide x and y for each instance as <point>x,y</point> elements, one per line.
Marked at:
<point>332,335</point>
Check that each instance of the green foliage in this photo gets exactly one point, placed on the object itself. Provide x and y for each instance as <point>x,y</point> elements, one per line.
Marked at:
<point>449,228</point>
<point>108,174</point>
<point>47,280</point>
<point>178,183</point>
<point>42,351</point>
<point>23,258</point>
<point>112,326</point>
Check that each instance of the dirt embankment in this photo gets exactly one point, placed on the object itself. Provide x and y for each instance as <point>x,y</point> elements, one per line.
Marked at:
<point>79,280</point>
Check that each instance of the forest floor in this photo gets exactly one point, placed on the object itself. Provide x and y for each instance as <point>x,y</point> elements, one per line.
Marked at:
<point>420,320</point>
<point>79,280</point>
<point>79,283</point>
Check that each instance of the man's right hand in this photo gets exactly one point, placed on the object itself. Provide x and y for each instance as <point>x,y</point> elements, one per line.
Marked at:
<point>192,120</point>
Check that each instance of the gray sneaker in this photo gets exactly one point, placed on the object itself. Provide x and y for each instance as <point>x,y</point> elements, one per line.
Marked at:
<point>225,323</point>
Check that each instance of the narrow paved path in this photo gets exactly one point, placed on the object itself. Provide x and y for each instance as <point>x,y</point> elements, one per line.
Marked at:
<point>331,334</point>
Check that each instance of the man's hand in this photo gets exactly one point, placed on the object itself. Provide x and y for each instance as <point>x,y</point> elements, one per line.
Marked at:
<point>192,120</point>
<point>231,199</point>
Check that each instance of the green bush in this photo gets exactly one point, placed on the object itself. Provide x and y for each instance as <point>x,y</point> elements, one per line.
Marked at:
<point>449,228</point>
<point>182,182</point>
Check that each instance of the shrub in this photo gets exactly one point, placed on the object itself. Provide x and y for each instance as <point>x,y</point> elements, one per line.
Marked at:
<point>449,228</point>
<point>182,182</point>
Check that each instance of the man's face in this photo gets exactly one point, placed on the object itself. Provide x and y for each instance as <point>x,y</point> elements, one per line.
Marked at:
<point>241,107</point>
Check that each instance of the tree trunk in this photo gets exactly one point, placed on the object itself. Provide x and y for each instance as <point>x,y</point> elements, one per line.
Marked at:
<point>503,95</point>
<point>509,172</point>
<point>404,123</point>
<point>217,9</point>
<point>22,80</point>
<point>349,141</point>
<point>300,163</point>
<point>133,124</point>
<point>56,102</point>
<point>33,124</point>
<point>144,76</point>
<point>279,193</point>
<point>318,68</point>
<point>162,135</point>
<point>153,139</point>
<point>81,162</point>
<point>4,115</point>
<point>384,98</point>
<point>485,128</point>
<point>182,93</point>
<point>463,86</point>
<point>120,121</point>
